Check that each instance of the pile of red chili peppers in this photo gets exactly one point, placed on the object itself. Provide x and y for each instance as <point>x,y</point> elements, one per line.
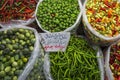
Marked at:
<point>115,61</point>
<point>16,9</point>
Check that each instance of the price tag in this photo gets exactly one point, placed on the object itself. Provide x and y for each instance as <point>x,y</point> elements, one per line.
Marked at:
<point>54,42</point>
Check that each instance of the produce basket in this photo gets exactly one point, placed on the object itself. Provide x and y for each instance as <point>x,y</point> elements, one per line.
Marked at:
<point>100,21</point>
<point>112,60</point>
<point>19,49</point>
<point>17,12</point>
<point>57,15</point>
<point>79,61</point>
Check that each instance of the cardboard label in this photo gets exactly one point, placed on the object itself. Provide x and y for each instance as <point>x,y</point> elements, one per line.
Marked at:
<point>54,42</point>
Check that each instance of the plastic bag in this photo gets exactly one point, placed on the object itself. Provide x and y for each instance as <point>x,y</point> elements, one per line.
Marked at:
<point>101,63</point>
<point>46,67</point>
<point>37,71</point>
<point>14,22</point>
<point>17,22</point>
<point>108,70</point>
<point>76,24</point>
<point>93,35</point>
<point>32,57</point>
<point>47,64</point>
<point>82,1</point>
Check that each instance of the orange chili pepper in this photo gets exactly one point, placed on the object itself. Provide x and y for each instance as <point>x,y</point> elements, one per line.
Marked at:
<point>28,11</point>
<point>91,10</point>
<point>110,11</point>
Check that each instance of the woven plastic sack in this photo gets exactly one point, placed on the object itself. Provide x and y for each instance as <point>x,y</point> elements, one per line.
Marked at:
<point>74,26</point>
<point>18,22</point>
<point>100,61</point>
<point>33,56</point>
<point>93,36</point>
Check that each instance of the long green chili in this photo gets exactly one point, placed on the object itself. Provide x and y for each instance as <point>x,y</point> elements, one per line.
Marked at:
<point>78,62</point>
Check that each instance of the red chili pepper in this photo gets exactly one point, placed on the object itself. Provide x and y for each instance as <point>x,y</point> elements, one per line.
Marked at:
<point>91,10</point>
<point>117,20</point>
<point>113,4</point>
<point>10,2</point>
<point>28,11</point>
<point>33,1</point>
<point>114,32</point>
<point>110,11</point>
<point>117,78</point>
<point>11,11</point>
<point>118,58</point>
<point>4,5</point>
<point>112,59</point>
<point>98,20</point>
<point>17,0</point>
<point>103,9</point>
<point>107,3</point>
<point>116,66</point>
<point>116,54</point>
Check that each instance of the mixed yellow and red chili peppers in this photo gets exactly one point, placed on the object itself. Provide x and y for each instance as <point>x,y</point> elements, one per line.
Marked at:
<point>115,61</point>
<point>16,9</point>
<point>104,16</point>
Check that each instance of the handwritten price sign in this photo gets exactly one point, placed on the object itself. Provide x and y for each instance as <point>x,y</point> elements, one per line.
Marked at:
<point>53,42</point>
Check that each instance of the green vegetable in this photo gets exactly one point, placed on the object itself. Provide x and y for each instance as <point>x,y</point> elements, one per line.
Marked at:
<point>78,62</point>
<point>2,73</point>
<point>14,64</point>
<point>15,52</point>
<point>7,69</point>
<point>15,78</point>
<point>57,15</point>
<point>37,71</point>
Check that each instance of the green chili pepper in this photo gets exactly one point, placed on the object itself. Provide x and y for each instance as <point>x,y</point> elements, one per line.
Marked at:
<point>78,62</point>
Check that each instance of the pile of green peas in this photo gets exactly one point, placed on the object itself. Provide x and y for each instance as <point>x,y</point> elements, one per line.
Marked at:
<point>57,15</point>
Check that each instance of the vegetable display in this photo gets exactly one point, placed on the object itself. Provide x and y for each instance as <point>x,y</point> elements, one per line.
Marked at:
<point>104,16</point>
<point>57,15</point>
<point>17,9</point>
<point>16,46</point>
<point>78,62</point>
<point>115,61</point>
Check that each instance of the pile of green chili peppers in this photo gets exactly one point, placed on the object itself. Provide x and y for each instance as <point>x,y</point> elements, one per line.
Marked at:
<point>57,15</point>
<point>79,62</point>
